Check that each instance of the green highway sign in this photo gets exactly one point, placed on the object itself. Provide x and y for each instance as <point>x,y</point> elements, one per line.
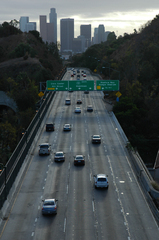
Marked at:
<point>53,85</point>
<point>107,85</point>
<point>81,85</point>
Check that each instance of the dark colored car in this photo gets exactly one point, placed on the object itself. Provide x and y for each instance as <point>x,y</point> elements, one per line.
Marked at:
<point>96,139</point>
<point>87,92</point>
<point>50,127</point>
<point>79,160</point>
<point>79,101</point>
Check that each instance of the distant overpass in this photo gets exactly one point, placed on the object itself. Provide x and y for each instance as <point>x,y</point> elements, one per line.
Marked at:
<point>7,101</point>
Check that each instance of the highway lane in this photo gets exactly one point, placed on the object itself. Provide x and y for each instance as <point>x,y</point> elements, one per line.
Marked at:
<point>120,212</point>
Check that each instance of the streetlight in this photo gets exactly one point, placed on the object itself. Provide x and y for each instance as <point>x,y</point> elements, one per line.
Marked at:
<point>5,176</point>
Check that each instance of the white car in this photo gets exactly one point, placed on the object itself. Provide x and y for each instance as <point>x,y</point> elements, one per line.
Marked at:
<point>101,181</point>
<point>77,110</point>
<point>67,127</point>
<point>44,149</point>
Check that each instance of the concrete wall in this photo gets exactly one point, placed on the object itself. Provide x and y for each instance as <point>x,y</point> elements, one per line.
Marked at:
<point>7,101</point>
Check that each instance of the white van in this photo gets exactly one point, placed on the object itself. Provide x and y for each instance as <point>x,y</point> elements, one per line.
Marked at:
<point>67,101</point>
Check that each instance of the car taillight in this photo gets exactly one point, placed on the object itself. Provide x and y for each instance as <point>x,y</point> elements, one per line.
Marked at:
<point>55,207</point>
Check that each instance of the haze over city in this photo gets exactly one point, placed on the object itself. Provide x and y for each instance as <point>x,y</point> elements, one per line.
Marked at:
<point>118,16</point>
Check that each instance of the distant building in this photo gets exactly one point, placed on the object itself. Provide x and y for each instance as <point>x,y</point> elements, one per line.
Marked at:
<point>95,39</point>
<point>48,31</point>
<point>77,45</point>
<point>53,19</point>
<point>66,33</point>
<point>101,33</point>
<point>83,41</point>
<point>43,28</point>
<point>85,30</point>
<point>25,25</point>
<point>106,35</point>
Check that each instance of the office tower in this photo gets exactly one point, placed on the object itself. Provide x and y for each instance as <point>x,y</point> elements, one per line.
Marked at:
<point>106,35</point>
<point>95,39</point>
<point>30,26</point>
<point>23,21</point>
<point>101,33</point>
<point>85,30</point>
<point>53,19</point>
<point>48,31</point>
<point>43,28</point>
<point>66,33</point>
<point>25,25</point>
<point>77,45</point>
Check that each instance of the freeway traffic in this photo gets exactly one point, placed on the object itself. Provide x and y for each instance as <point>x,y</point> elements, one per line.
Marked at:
<point>83,212</point>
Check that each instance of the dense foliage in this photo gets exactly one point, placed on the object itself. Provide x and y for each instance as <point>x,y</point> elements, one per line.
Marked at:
<point>133,59</point>
<point>25,61</point>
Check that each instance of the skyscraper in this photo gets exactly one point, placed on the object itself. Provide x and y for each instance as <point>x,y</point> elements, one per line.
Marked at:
<point>85,30</point>
<point>53,19</point>
<point>23,21</point>
<point>101,33</point>
<point>66,33</point>
<point>43,28</point>
<point>25,25</point>
<point>48,31</point>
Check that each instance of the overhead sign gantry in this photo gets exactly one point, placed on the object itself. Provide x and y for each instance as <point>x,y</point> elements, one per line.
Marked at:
<point>82,85</point>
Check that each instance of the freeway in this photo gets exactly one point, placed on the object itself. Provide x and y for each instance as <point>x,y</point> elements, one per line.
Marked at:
<point>119,213</point>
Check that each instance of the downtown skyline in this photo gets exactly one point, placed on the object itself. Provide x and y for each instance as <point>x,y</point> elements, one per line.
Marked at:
<point>118,16</point>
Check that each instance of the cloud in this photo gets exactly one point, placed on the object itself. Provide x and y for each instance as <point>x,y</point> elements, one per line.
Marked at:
<point>119,16</point>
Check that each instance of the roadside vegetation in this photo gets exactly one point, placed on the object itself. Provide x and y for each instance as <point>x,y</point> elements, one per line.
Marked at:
<point>25,61</point>
<point>133,60</point>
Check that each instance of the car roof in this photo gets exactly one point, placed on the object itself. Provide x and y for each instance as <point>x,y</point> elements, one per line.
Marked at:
<point>101,175</point>
<point>96,135</point>
<point>49,123</point>
<point>59,152</point>
<point>79,155</point>
<point>89,106</point>
<point>49,200</point>
<point>44,144</point>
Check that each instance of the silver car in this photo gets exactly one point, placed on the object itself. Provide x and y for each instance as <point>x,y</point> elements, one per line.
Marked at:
<point>44,149</point>
<point>101,181</point>
<point>49,206</point>
<point>77,110</point>
<point>59,156</point>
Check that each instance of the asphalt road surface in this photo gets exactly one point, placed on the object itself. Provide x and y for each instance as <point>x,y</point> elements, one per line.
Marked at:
<point>83,213</point>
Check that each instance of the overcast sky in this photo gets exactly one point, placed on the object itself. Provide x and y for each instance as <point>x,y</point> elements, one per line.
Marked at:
<point>120,16</point>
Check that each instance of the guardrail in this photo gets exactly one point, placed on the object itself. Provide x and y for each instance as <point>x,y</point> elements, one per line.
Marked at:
<point>142,173</point>
<point>8,175</point>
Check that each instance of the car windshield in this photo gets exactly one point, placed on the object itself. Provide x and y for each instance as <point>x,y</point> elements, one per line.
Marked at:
<point>49,203</point>
<point>67,125</point>
<point>101,179</point>
<point>44,146</point>
<point>49,125</point>
<point>95,136</point>
<point>59,154</point>
<point>79,157</point>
